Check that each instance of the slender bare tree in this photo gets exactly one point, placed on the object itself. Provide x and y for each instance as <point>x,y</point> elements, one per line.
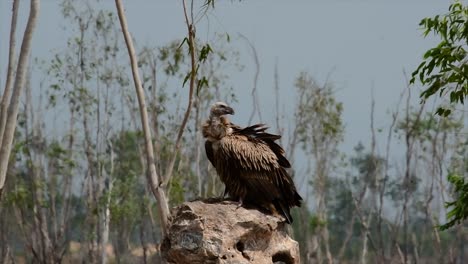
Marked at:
<point>154,179</point>
<point>20,80</point>
<point>191,41</point>
<point>11,57</point>
<point>5,97</point>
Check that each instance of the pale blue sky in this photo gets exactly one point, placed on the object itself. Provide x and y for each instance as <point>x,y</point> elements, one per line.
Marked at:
<point>361,44</point>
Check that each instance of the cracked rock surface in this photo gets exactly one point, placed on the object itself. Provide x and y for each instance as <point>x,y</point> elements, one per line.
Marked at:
<point>222,232</point>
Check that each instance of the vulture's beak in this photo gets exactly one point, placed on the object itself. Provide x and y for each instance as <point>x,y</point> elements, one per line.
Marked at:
<point>229,111</point>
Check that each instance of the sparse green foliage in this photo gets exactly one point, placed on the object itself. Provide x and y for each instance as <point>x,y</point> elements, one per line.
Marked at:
<point>458,208</point>
<point>319,130</point>
<point>368,167</point>
<point>444,69</point>
<point>316,223</point>
<point>172,57</point>
<point>457,176</point>
<point>321,121</point>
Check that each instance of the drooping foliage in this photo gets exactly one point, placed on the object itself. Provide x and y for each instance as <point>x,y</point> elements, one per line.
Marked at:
<point>444,70</point>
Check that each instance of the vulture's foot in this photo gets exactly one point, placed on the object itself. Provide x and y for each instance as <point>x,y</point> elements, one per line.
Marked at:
<point>240,203</point>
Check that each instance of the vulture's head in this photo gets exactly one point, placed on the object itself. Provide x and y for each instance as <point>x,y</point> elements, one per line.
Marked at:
<point>220,108</point>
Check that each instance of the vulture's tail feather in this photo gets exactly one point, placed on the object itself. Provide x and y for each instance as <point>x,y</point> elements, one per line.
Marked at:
<point>283,210</point>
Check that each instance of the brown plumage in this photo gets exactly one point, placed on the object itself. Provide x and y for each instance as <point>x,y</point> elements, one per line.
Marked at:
<point>249,163</point>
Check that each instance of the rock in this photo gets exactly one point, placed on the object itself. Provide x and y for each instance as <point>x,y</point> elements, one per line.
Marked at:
<point>222,232</point>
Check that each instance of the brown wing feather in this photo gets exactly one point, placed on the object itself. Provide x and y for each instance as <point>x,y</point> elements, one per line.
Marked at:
<point>258,131</point>
<point>209,152</point>
<point>251,170</point>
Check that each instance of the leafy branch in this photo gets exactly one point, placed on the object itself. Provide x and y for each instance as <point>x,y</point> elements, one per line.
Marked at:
<point>444,69</point>
<point>190,40</point>
<point>459,207</point>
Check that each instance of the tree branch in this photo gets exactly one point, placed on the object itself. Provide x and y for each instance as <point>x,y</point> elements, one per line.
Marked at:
<point>193,75</point>
<point>153,177</point>
<point>254,93</point>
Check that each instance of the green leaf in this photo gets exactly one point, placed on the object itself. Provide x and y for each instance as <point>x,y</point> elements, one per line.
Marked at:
<point>185,40</point>
<point>186,78</point>
<point>205,51</point>
<point>202,82</point>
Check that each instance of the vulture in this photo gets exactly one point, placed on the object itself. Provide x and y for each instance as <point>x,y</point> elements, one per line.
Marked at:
<point>249,163</point>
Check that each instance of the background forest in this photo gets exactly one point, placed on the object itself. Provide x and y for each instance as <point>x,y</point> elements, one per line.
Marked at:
<point>76,187</point>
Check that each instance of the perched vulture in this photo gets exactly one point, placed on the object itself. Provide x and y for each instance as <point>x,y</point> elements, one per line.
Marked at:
<point>249,163</point>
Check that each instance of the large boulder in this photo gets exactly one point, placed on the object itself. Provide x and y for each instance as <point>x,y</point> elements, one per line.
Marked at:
<point>223,232</point>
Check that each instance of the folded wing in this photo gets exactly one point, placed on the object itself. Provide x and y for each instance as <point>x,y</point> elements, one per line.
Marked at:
<point>252,166</point>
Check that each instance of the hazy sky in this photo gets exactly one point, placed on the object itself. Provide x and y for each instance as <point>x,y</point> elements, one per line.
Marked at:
<point>360,44</point>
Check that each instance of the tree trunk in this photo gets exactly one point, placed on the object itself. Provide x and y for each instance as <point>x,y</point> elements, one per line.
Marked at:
<point>8,135</point>
<point>365,235</point>
<point>106,218</point>
<point>7,91</point>
<point>153,177</point>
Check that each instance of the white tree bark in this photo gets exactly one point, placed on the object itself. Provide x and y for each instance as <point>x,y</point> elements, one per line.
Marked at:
<point>152,175</point>
<point>20,79</point>
<point>11,54</point>
<point>108,185</point>
<point>106,218</point>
